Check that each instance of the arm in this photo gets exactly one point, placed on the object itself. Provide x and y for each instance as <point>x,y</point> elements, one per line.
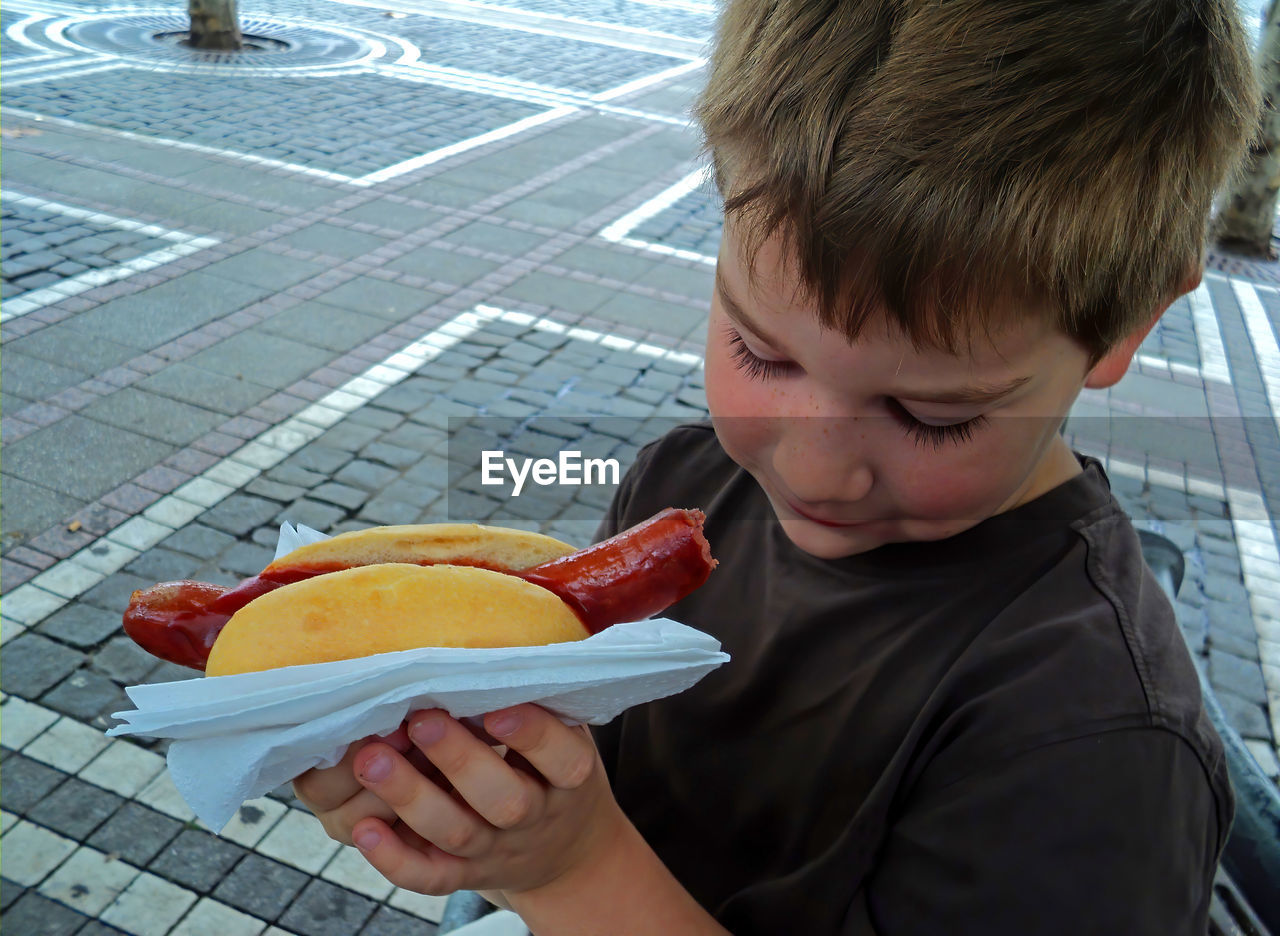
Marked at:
<point>1114,832</point>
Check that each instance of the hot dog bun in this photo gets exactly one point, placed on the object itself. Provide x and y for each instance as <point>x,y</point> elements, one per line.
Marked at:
<point>387,607</point>
<point>425,543</point>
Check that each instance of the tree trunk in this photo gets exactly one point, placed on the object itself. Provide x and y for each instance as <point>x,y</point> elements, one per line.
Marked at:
<point>214,25</point>
<point>1247,213</point>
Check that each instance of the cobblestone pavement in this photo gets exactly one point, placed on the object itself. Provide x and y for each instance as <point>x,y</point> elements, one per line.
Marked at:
<point>302,284</point>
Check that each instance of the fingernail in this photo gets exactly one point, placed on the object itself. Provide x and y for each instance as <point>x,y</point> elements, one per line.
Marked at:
<point>377,769</point>
<point>504,725</point>
<point>367,840</point>
<point>428,731</point>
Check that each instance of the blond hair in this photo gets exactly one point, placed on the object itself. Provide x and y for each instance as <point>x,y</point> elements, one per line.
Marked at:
<point>935,159</point>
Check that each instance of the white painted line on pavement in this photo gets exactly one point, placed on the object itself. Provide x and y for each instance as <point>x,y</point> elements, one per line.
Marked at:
<point>179,144</point>
<point>683,5</point>
<point>542,23</point>
<point>29,64</point>
<point>1153,362</point>
<point>1265,349</point>
<point>131,771</point>
<point>183,245</point>
<point>618,232</point>
<point>1213,355</point>
<point>64,581</point>
<point>444,152</point>
<point>646,81</point>
<point>73,69</point>
<point>55,32</point>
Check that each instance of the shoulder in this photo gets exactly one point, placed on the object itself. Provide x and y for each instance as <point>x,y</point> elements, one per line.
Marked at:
<point>1091,648</point>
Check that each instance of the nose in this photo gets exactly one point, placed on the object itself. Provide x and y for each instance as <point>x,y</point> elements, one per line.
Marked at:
<point>825,459</point>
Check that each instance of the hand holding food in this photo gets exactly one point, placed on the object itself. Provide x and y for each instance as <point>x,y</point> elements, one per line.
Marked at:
<point>397,588</point>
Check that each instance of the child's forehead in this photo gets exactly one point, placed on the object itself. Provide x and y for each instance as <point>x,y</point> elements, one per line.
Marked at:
<point>767,287</point>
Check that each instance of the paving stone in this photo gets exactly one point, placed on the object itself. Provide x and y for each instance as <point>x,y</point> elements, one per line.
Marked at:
<point>1226,589</point>
<point>286,473</point>
<point>343,495</point>
<point>1239,676</point>
<point>161,564</point>
<point>32,665</point>
<point>313,513</point>
<point>81,625</point>
<point>171,672</point>
<point>87,696</point>
<point>367,475</point>
<point>1228,566</point>
<point>199,540</point>
<point>376,416</point>
<point>349,437</point>
<point>324,909</point>
<point>391,922</point>
<point>92,459</point>
<point>152,415</point>
<point>386,511</point>
<point>10,891</point>
<point>34,915</point>
<point>240,513</point>
<point>260,886</point>
<point>25,782</point>
<point>135,833</point>
<point>1244,648</point>
<point>75,808</point>
<point>246,558</point>
<point>98,928</point>
<point>406,398</point>
<point>197,859</point>
<point>315,457</point>
<point>274,490</point>
<point>228,394</point>
<point>1246,717</point>
<point>123,661</point>
<point>113,592</point>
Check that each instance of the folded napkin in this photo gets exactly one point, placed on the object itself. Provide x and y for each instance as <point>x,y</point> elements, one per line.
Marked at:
<point>238,737</point>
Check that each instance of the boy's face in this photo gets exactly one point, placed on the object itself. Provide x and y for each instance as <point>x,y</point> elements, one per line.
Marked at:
<point>858,445</point>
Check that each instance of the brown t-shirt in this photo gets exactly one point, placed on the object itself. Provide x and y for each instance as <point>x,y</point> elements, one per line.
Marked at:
<point>997,733</point>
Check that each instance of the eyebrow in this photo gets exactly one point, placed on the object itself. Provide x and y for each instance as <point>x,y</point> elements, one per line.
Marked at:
<point>739,315</point>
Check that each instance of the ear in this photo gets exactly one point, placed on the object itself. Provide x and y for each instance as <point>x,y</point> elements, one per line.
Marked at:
<point>1115,363</point>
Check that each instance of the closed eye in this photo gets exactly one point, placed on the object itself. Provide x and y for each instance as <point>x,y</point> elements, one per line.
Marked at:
<point>928,434</point>
<point>750,363</point>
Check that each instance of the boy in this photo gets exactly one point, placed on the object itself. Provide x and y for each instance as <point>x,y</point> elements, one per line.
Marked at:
<point>957,701</point>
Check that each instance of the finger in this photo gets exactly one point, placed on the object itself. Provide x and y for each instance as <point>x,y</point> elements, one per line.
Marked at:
<point>422,805</point>
<point>425,869</point>
<point>325,789</point>
<point>564,756</point>
<point>502,796</point>
<point>338,823</point>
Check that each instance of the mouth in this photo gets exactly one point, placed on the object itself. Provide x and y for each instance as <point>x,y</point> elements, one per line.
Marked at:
<point>819,520</point>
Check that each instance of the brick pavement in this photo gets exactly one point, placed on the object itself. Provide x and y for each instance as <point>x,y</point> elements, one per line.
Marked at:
<point>300,294</point>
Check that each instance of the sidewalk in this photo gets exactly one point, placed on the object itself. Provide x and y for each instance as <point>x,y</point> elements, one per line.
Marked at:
<point>242,293</point>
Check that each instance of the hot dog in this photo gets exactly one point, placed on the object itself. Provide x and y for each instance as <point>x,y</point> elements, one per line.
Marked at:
<point>633,575</point>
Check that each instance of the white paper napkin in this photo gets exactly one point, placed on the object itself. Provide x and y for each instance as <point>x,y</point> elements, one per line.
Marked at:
<point>238,737</point>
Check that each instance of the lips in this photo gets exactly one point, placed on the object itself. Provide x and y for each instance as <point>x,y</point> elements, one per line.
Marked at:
<point>795,508</point>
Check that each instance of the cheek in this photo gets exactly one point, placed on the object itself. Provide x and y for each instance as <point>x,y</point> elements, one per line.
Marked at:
<point>950,484</point>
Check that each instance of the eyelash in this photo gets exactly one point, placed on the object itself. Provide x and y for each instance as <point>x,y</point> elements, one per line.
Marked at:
<point>757,368</point>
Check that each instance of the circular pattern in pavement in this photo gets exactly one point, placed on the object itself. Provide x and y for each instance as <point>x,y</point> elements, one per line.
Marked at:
<point>156,39</point>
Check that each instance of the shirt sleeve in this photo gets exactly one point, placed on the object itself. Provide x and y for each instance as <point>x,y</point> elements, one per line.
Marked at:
<point>1107,833</point>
